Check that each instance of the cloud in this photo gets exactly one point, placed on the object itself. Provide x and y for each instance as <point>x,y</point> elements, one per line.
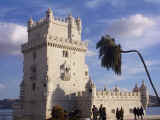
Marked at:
<point>152,1</point>
<point>109,78</point>
<point>2,86</point>
<point>124,89</point>
<point>91,53</point>
<point>130,70</point>
<point>98,3</point>
<point>63,12</point>
<point>136,31</point>
<point>94,3</point>
<point>134,25</point>
<point>11,37</point>
<point>152,62</point>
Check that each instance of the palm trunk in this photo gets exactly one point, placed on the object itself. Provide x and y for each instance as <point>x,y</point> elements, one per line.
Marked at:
<point>145,70</point>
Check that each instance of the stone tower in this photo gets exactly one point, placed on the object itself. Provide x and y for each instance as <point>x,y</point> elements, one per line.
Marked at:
<point>54,65</point>
<point>144,95</point>
<point>55,73</point>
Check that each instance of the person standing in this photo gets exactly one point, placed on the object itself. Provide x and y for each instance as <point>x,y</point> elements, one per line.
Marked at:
<point>117,114</point>
<point>94,112</point>
<point>138,112</point>
<point>121,113</point>
<point>135,113</point>
<point>141,111</point>
<point>103,113</point>
<point>100,112</point>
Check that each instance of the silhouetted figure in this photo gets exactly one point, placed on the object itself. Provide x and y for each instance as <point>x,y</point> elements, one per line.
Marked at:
<point>94,112</point>
<point>135,113</point>
<point>100,112</point>
<point>141,111</point>
<point>138,112</point>
<point>74,114</point>
<point>117,114</point>
<point>121,113</point>
<point>103,113</point>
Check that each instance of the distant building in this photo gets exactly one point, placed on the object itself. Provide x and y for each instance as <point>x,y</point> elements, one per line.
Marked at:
<point>55,72</point>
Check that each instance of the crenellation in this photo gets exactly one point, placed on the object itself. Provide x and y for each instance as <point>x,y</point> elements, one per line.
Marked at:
<point>57,20</point>
<point>117,94</point>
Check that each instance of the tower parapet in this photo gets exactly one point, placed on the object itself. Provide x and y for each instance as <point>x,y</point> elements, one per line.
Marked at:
<point>116,93</point>
<point>55,32</point>
<point>68,27</point>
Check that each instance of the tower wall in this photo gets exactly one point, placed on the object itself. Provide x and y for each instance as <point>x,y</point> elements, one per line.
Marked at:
<point>59,88</point>
<point>112,100</point>
<point>60,64</point>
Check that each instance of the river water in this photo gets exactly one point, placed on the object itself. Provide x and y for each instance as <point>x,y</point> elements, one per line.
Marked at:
<point>6,114</point>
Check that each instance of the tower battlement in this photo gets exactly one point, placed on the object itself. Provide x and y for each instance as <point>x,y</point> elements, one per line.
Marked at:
<point>61,21</point>
<point>56,32</point>
<point>117,94</point>
<point>69,24</point>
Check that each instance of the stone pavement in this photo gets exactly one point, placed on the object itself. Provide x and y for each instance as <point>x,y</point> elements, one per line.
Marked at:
<point>150,117</point>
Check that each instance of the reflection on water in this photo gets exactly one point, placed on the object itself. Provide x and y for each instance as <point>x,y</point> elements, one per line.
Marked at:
<point>153,111</point>
<point>6,114</point>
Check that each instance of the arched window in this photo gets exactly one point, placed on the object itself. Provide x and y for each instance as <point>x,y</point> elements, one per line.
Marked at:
<point>65,53</point>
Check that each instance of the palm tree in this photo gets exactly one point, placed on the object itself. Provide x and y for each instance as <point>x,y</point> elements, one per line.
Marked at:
<point>110,55</point>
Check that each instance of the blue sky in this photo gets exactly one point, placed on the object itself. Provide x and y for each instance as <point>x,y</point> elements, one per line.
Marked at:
<point>134,24</point>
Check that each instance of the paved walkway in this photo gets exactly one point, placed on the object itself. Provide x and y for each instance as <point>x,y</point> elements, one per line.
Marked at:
<point>150,117</point>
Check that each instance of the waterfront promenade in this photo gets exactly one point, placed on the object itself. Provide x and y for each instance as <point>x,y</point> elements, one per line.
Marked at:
<point>149,117</point>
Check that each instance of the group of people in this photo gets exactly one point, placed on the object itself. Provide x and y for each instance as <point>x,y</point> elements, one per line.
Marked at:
<point>138,112</point>
<point>119,113</point>
<point>99,114</point>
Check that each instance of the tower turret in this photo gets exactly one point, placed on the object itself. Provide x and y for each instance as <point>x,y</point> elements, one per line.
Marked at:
<point>49,15</point>
<point>70,19</point>
<point>70,25</point>
<point>144,95</point>
<point>30,23</point>
<point>136,89</point>
<point>91,88</point>
<point>105,88</point>
<point>116,89</point>
<point>74,28</point>
<point>79,24</point>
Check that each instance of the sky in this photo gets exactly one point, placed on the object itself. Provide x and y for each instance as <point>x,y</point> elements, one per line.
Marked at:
<point>133,24</point>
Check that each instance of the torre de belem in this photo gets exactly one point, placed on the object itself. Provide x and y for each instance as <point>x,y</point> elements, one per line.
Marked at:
<point>55,73</point>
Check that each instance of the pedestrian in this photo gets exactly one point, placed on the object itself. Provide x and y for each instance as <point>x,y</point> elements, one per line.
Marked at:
<point>141,111</point>
<point>135,113</point>
<point>100,112</point>
<point>103,113</point>
<point>94,112</point>
<point>117,114</point>
<point>138,112</point>
<point>121,113</point>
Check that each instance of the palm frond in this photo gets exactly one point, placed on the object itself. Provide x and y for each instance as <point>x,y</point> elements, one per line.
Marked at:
<point>110,54</point>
